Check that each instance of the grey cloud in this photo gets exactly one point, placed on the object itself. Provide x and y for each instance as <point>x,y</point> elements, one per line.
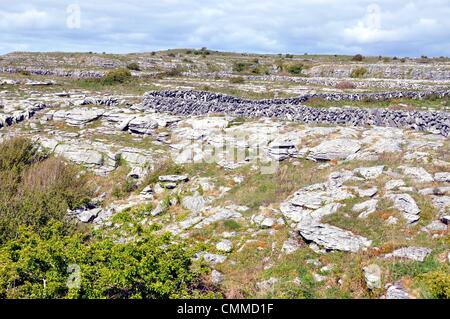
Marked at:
<point>400,28</point>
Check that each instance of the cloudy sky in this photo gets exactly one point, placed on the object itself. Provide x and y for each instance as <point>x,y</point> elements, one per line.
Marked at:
<point>386,27</point>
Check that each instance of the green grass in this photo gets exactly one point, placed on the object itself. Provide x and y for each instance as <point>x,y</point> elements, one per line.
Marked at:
<point>391,104</point>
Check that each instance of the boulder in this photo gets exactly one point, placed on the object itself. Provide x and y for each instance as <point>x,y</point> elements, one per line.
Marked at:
<point>333,238</point>
<point>407,205</point>
<point>195,204</point>
<point>87,216</point>
<point>216,277</point>
<point>365,208</point>
<point>396,292</point>
<point>145,125</point>
<point>372,275</point>
<point>393,184</point>
<point>224,246</point>
<point>368,192</point>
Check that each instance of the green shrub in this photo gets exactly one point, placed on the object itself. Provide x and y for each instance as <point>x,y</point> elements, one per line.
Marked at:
<point>133,66</point>
<point>18,153</point>
<point>357,57</point>
<point>116,76</point>
<point>34,189</point>
<point>295,69</point>
<point>241,66</point>
<point>232,225</point>
<point>358,73</point>
<point>250,67</point>
<point>39,265</point>
<point>437,283</point>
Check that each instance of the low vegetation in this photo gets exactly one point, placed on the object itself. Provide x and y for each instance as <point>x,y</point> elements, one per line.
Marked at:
<point>43,254</point>
<point>133,66</point>
<point>55,264</point>
<point>36,189</point>
<point>358,72</point>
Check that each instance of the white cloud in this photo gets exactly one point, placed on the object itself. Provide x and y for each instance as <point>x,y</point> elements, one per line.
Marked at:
<point>26,19</point>
<point>404,27</point>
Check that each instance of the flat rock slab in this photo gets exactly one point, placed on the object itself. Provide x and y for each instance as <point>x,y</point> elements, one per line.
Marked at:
<point>419,174</point>
<point>173,178</point>
<point>333,238</point>
<point>221,214</point>
<point>413,253</point>
<point>338,149</point>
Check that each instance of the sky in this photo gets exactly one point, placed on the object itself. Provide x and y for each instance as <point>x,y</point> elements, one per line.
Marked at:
<point>384,27</point>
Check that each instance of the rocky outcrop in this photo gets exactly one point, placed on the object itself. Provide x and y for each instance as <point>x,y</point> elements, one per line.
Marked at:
<point>19,115</point>
<point>333,238</point>
<point>338,149</point>
<point>407,205</point>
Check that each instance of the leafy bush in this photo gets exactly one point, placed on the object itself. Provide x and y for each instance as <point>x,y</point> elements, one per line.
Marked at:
<point>358,73</point>
<point>250,67</point>
<point>357,57</point>
<point>437,283</point>
<point>35,189</point>
<point>295,69</point>
<point>17,154</point>
<point>240,66</point>
<point>39,266</point>
<point>133,66</point>
<point>116,76</point>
